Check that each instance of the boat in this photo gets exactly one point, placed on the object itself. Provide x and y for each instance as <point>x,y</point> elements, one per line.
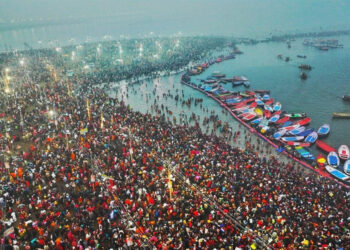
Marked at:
<point>291,127</point>
<point>277,135</point>
<point>267,107</point>
<point>304,121</point>
<point>296,131</point>
<point>217,74</point>
<point>304,153</point>
<point>344,152</point>
<point>261,91</point>
<point>305,67</point>
<point>209,81</point>
<point>338,174</point>
<point>306,132</point>
<point>296,115</point>
<point>346,98</point>
<point>267,114</point>
<point>279,112</point>
<point>253,105</point>
<point>256,121</point>
<point>266,97</point>
<point>249,117</point>
<point>264,129</point>
<point>311,138</point>
<point>282,120</point>
<point>301,144</point>
<point>333,159</point>
<point>264,122</point>
<point>286,124</point>
<point>341,115</point>
<point>277,106</point>
<point>240,108</point>
<point>240,79</point>
<point>259,102</point>
<point>324,146</point>
<point>292,138</point>
<point>259,111</point>
<point>324,130</point>
<point>347,167</point>
<point>274,118</point>
<point>300,56</point>
<point>233,100</point>
<point>269,102</point>
<point>250,93</point>
<point>321,160</point>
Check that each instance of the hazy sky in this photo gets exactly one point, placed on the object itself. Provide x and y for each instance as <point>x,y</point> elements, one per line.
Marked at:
<point>241,17</point>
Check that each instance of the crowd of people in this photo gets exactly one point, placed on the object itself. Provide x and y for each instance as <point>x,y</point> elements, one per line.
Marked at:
<point>81,170</point>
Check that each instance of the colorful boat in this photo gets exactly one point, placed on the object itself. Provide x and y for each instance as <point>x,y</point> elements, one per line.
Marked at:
<point>324,146</point>
<point>301,144</point>
<point>304,153</point>
<point>347,167</point>
<point>304,121</point>
<point>266,97</point>
<point>259,102</point>
<point>296,115</point>
<point>344,152</point>
<point>338,174</point>
<point>283,120</point>
<point>256,121</point>
<point>264,129</point>
<point>324,130</point>
<point>269,102</point>
<point>286,124</point>
<point>312,137</point>
<point>333,159</point>
<point>296,131</point>
<point>249,117</point>
<point>291,127</point>
<point>267,114</point>
<point>277,106</point>
<point>306,132</point>
<point>277,135</point>
<point>253,105</point>
<point>292,138</point>
<point>321,160</point>
<point>259,111</point>
<point>274,118</point>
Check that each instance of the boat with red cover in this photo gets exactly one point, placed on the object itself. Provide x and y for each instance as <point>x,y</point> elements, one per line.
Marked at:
<point>324,146</point>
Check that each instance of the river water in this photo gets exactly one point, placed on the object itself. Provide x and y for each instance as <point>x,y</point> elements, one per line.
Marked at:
<point>319,96</point>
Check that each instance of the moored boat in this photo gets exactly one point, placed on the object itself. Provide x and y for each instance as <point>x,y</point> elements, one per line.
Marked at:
<point>321,160</point>
<point>323,130</point>
<point>282,120</point>
<point>324,146</point>
<point>344,152</point>
<point>277,135</point>
<point>292,138</point>
<point>338,174</point>
<point>296,115</point>
<point>304,121</point>
<point>333,159</point>
<point>274,118</point>
<point>296,131</point>
<point>277,106</point>
<point>347,167</point>
<point>301,144</point>
<point>311,138</point>
<point>306,132</point>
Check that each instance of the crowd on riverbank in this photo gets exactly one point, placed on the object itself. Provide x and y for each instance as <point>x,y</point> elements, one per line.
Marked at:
<point>82,170</point>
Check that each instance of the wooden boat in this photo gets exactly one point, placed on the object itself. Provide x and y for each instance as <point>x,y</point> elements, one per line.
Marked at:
<point>311,138</point>
<point>338,174</point>
<point>306,132</point>
<point>346,98</point>
<point>301,144</point>
<point>277,107</point>
<point>304,121</point>
<point>292,138</point>
<point>296,115</point>
<point>261,91</point>
<point>282,120</point>
<point>344,152</point>
<point>259,111</point>
<point>324,146</point>
<point>347,167</point>
<point>291,127</point>
<point>269,102</point>
<point>256,121</point>
<point>249,117</point>
<point>279,134</point>
<point>333,159</point>
<point>324,130</point>
<point>296,131</point>
<point>304,153</point>
<point>274,118</point>
<point>259,102</point>
<point>321,160</point>
<point>267,114</point>
<point>341,115</point>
